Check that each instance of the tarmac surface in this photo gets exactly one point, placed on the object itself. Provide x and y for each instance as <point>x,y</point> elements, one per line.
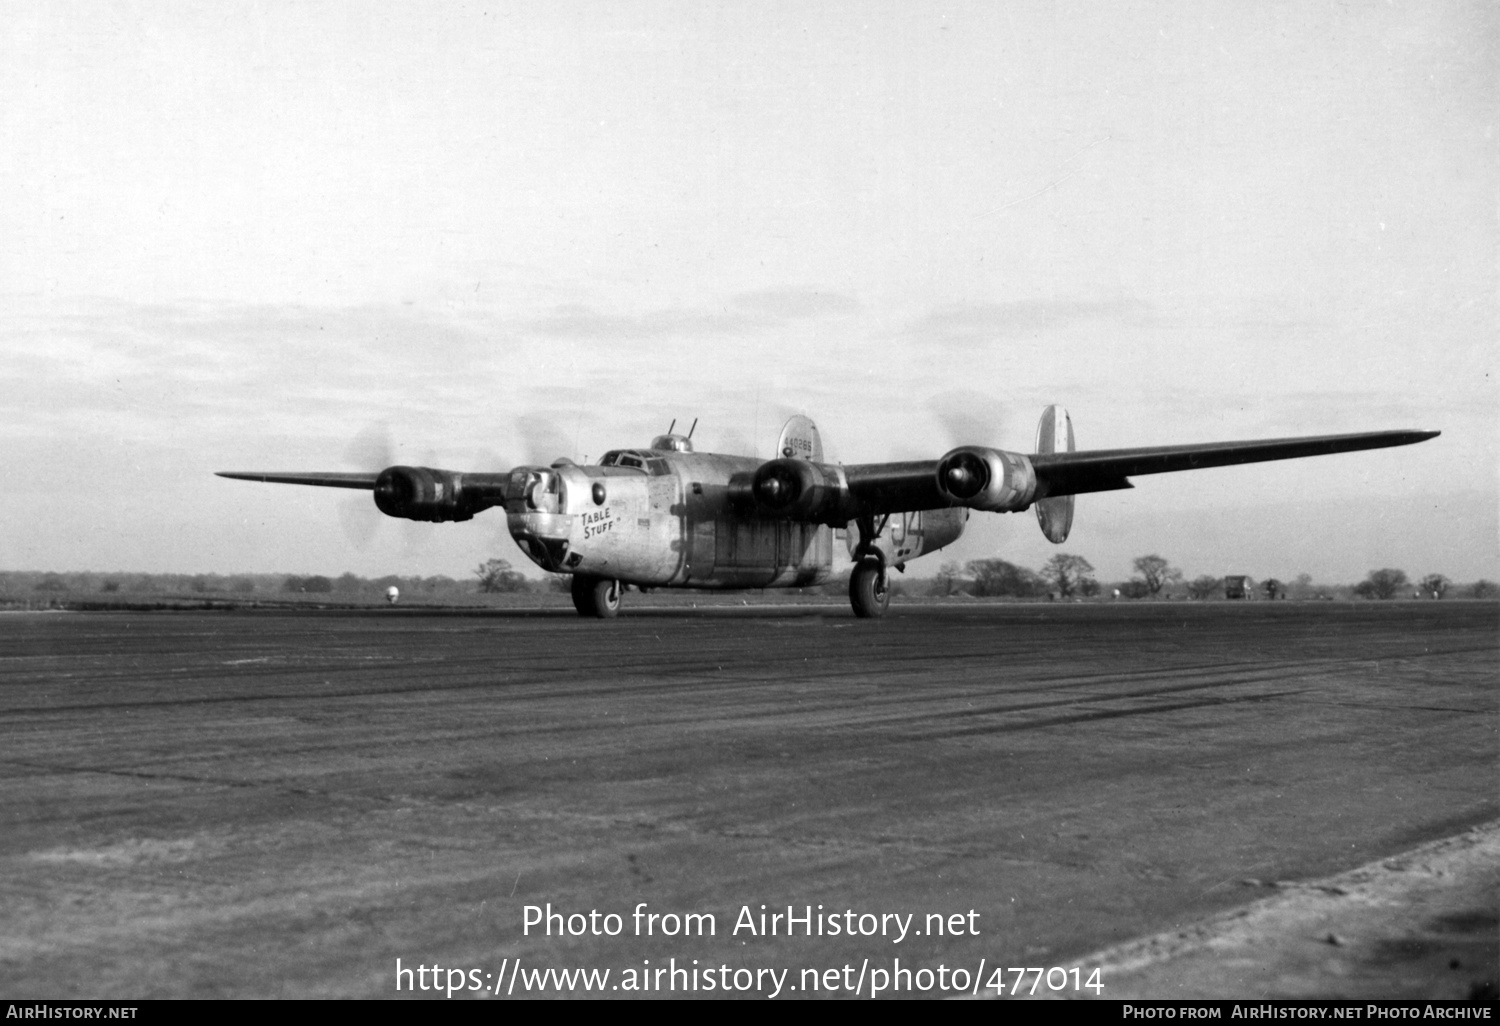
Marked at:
<point>262,804</point>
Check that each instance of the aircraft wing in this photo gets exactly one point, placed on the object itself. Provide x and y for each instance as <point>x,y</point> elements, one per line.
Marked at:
<point>366,481</point>
<point>879,488</point>
<point>1102,470</point>
<point>415,493</point>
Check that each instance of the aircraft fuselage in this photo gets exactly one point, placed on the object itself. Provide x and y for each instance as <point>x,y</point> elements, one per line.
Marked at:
<point>664,519</point>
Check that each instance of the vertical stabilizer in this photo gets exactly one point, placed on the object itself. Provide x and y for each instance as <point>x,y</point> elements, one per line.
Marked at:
<point>1055,434</point>
<point>800,440</point>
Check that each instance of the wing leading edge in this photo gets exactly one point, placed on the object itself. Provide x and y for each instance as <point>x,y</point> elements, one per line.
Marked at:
<point>879,488</point>
<point>1102,470</point>
<point>366,481</point>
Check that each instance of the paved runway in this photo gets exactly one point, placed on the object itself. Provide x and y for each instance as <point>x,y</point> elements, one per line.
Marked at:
<point>263,804</point>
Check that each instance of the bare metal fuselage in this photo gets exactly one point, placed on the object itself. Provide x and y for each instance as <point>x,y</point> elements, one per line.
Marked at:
<point>681,519</point>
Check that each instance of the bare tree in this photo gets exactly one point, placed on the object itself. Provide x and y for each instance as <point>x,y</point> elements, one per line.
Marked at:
<point>1068,573</point>
<point>945,581</point>
<point>1204,586</point>
<point>1156,573</point>
<point>997,577</point>
<point>1381,584</point>
<point>1435,585</point>
<point>496,575</point>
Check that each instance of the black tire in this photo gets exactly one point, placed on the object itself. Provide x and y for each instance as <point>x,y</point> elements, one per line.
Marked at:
<point>867,591</point>
<point>583,592</point>
<point>597,596</point>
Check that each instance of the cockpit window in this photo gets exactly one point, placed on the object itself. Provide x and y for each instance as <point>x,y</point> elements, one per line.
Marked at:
<point>623,458</point>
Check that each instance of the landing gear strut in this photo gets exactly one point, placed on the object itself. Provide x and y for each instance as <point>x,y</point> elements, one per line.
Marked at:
<point>868,593</point>
<point>596,596</point>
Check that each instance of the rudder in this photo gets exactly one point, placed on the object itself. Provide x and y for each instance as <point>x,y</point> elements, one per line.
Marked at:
<point>1055,434</point>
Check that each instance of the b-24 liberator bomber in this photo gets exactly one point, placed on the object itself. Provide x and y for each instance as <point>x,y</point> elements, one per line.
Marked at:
<point>665,516</point>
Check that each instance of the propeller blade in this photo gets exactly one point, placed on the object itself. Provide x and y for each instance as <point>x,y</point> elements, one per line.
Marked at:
<point>371,449</point>
<point>542,439</point>
<point>360,520</point>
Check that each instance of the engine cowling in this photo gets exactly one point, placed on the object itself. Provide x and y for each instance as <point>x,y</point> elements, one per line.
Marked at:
<point>992,480</point>
<point>800,490</point>
<point>422,493</point>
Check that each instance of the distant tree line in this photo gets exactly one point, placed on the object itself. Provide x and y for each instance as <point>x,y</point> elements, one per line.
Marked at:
<point>1064,576</point>
<point>1067,576</point>
<point>19,583</point>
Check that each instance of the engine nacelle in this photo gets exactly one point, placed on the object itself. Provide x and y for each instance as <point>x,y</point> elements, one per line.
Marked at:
<point>421,493</point>
<point>802,491</point>
<point>988,479</point>
<point>905,536</point>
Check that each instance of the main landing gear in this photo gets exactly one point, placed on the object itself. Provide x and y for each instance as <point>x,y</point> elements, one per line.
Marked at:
<point>596,596</point>
<point>868,593</point>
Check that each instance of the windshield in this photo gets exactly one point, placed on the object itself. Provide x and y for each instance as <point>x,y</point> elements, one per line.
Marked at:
<point>620,458</point>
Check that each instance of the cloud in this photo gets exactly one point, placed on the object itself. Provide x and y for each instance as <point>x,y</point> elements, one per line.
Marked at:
<point>746,313</point>
<point>797,304</point>
<point>977,323</point>
<point>582,322</point>
<point>225,370</point>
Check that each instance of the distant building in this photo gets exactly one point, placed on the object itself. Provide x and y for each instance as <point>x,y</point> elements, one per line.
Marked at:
<point>1238,586</point>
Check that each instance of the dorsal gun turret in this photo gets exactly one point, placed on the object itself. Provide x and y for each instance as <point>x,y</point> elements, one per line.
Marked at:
<point>672,443</point>
<point>675,443</point>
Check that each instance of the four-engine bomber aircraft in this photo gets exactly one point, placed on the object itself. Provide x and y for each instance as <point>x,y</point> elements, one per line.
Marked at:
<point>668,517</point>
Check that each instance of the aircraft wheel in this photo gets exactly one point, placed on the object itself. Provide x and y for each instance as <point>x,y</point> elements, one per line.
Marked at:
<point>868,593</point>
<point>582,587</point>
<point>597,596</point>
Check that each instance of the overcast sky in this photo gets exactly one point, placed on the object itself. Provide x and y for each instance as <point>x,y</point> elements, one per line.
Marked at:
<point>258,235</point>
